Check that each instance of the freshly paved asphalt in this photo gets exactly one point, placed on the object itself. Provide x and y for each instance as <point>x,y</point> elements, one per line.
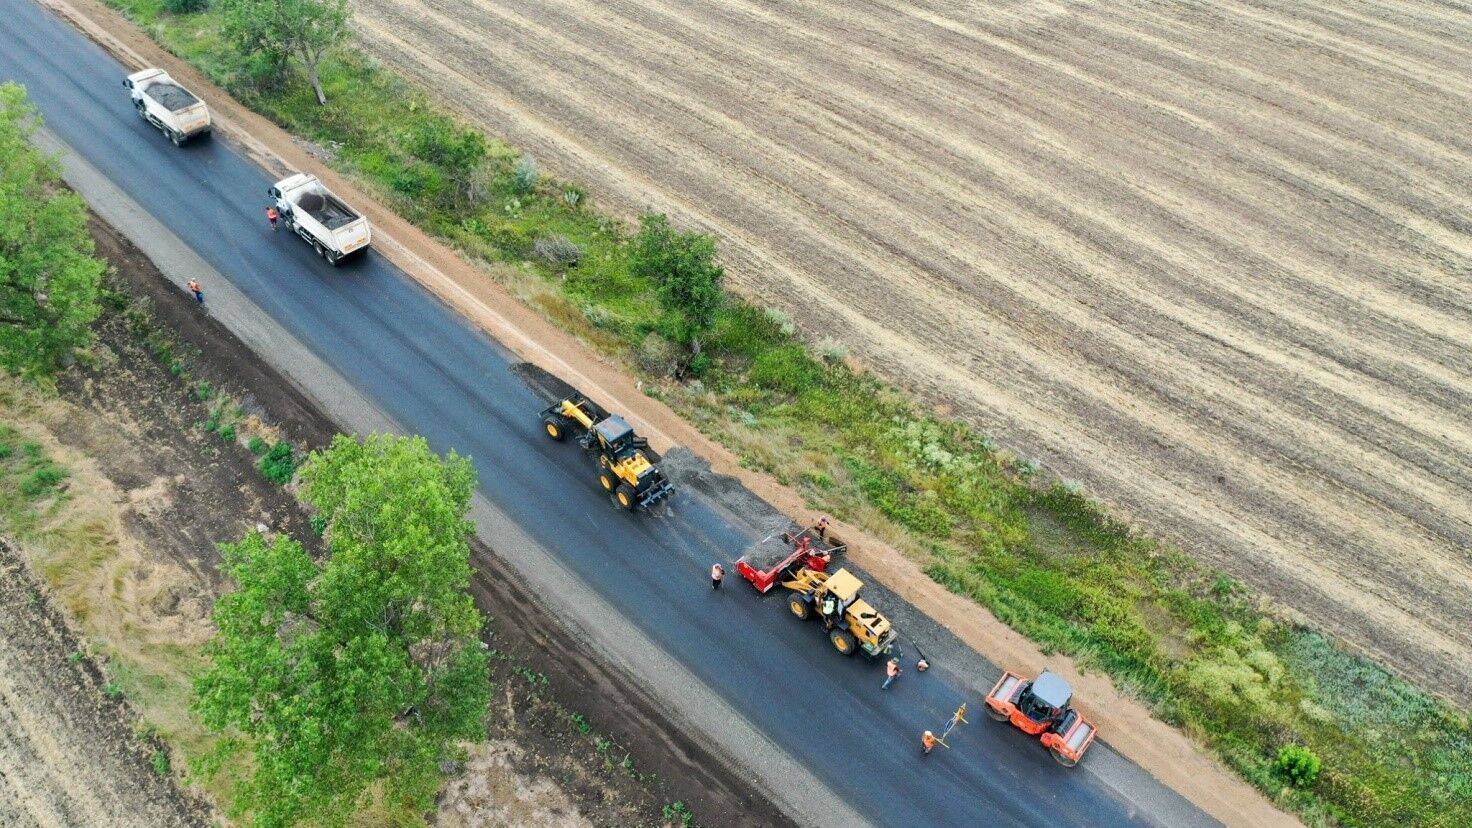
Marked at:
<point>429,370</point>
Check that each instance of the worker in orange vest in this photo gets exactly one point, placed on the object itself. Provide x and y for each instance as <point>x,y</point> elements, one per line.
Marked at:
<point>891,672</point>
<point>927,741</point>
<point>272,215</point>
<point>195,289</point>
<point>717,572</point>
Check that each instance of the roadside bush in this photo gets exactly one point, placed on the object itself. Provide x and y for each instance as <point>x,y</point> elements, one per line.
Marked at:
<point>525,175</point>
<point>557,250</point>
<point>456,156</point>
<point>686,275</point>
<point>185,6</point>
<point>279,464</point>
<point>256,445</point>
<point>1299,764</point>
<point>657,356</point>
<point>831,350</point>
<point>227,433</point>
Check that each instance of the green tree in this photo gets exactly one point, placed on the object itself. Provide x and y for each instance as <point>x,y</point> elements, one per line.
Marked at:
<point>49,279</point>
<point>685,273</point>
<point>281,29</point>
<point>359,673</point>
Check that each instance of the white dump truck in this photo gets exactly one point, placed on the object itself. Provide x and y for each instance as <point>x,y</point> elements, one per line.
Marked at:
<point>161,101</point>
<point>320,217</point>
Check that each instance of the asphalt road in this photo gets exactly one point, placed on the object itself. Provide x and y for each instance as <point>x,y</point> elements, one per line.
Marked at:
<point>428,370</point>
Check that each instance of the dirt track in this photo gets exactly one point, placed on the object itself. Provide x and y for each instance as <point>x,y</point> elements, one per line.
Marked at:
<point>1212,263</point>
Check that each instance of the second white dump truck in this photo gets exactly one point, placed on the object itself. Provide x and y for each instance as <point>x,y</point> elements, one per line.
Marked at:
<point>161,101</point>
<point>314,213</point>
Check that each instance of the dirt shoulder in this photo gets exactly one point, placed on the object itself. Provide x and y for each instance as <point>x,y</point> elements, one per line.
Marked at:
<point>68,752</point>
<point>1162,751</point>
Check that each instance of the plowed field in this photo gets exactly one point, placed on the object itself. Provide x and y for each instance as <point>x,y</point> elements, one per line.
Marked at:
<point>1212,261</point>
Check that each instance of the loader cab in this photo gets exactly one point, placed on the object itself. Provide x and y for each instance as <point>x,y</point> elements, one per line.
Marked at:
<point>1046,698</point>
<point>844,588</point>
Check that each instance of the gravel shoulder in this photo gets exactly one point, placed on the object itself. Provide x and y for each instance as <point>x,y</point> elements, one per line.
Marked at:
<point>1220,277</point>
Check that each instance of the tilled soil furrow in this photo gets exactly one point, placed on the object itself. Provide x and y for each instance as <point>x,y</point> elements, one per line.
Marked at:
<point>1214,263</point>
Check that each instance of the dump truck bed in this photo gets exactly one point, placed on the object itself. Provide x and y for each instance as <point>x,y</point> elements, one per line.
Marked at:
<point>327,209</point>
<point>173,97</point>
<point>764,562</point>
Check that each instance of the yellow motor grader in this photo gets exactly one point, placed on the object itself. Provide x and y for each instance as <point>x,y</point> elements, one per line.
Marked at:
<point>627,467</point>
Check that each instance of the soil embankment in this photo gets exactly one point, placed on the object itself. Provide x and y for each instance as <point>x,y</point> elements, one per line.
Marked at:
<point>1212,263</point>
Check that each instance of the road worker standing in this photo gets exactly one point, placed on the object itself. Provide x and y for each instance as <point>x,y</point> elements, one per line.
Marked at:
<point>717,572</point>
<point>927,742</point>
<point>891,672</point>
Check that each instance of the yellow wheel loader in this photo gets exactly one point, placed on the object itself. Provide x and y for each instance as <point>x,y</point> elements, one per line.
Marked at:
<point>627,467</point>
<point>833,598</point>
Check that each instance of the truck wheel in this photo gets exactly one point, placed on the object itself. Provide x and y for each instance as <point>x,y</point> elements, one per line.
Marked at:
<point>320,252</point>
<point>799,607</point>
<point>843,642</point>
<point>332,257</point>
<point>177,138</point>
<point>626,496</point>
<point>607,482</point>
<point>553,425</point>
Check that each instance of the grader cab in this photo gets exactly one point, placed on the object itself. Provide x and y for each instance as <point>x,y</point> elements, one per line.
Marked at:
<point>833,598</point>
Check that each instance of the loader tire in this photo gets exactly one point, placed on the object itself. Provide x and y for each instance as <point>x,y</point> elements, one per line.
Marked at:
<point>626,496</point>
<point>843,642</point>
<point>799,608</point>
<point>554,428</point>
<point>607,482</point>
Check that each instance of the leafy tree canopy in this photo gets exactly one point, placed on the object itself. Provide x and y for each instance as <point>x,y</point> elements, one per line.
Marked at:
<point>49,279</point>
<point>280,30</point>
<point>359,673</point>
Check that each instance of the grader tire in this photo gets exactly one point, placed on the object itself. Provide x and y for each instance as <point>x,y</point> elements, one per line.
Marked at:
<point>799,608</point>
<point>627,497</point>
<point>843,642</point>
<point>607,482</point>
<point>554,428</point>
